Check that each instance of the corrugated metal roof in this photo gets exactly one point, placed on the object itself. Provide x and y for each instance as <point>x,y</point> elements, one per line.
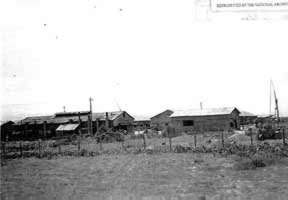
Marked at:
<point>246,114</point>
<point>166,111</point>
<point>67,127</point>
<point>35,120</point>
<point>141,118</point>
<point>62,118</point>
<point>62,114</point>
<point>100,116</point>
<point>66,119</point>
<point>203,112</point>
<point>111,115</point>
<point>6,122</point>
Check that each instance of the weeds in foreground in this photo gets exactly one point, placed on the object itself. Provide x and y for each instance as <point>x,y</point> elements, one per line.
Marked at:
<point>247,156</point>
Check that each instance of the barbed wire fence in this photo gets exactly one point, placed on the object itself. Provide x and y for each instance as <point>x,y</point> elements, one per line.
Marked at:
<point>103,143</point>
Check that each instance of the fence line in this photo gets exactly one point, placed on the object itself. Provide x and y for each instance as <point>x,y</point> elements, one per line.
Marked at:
<point>40,148</point>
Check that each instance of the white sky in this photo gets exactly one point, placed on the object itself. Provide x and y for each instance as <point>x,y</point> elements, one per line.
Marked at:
<point>150,56</point>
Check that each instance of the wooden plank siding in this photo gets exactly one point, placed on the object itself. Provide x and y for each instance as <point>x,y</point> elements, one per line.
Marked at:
<point>206,122</point>
<point>160,120</point>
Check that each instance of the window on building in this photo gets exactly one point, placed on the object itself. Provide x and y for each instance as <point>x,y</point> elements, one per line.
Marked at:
<point>188,123</point>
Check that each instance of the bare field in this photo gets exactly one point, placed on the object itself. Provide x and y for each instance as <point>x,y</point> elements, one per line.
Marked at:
<point>157,176</point>
<point>141,176</point>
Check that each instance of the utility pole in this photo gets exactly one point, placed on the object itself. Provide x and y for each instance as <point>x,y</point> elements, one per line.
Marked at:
<point>64,109</point>
<point>270,97</point>
<point>91,120</point>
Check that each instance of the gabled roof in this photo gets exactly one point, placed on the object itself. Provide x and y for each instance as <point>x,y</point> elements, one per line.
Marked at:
<point>35,120</point>
<point>67,127</point>
<point>168,111</point>
<point>141,118</point>
<point>246,114</point>
<point>111,115</point>
<point>204,112</point>
<point>100,116</point>
<point>61,118</point>
<point>67,119</point>
<point>5,123</point>
<point>62,114</point>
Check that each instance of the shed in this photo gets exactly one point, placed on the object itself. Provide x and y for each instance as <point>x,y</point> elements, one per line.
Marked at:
<point>67,127</point>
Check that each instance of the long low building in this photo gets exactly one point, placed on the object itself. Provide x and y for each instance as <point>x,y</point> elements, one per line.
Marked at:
<point>213,119</point>
<point>49,126</point>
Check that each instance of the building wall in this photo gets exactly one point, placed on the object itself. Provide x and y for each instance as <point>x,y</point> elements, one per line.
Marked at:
<point>141,124</point>
<point>159,121</point>
<point>206,123</point>
<point>246,120</point>
<point>6,131</point>
<point>283,122</point>
<point>123,122</point>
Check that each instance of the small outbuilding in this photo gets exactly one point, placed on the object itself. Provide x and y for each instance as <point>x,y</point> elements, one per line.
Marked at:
<point>67,129</point>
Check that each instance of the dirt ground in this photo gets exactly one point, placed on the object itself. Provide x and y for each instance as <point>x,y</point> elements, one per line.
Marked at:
<point>141,176</point>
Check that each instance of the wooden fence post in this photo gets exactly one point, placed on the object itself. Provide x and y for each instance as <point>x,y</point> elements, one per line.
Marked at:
<point>59,149</point>
<point>144,140</point>
<point>170,143</point>
<point>222,138</point>
<point>79,146</point>
<point>283,136</point>
<point>170,133</point>
<point>3,150</point>
<point>39,147</point>
<point>45,130</point>
<point>100,140</point>
<point>251,136</point>
<point>21,150</point>
<point>123,141</point>
<point>195,139</point>
<point>2,153</point>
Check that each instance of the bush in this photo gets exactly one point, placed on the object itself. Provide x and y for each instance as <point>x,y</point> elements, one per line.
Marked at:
<point>255,161</point>
<point>244,164</point>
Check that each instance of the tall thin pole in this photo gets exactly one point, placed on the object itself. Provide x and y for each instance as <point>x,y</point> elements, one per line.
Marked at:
<point>270,98</point>
<point>91,120</point>
<point>276,102</point>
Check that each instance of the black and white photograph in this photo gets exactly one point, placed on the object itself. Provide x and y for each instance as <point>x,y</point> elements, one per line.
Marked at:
<point>144,99</point>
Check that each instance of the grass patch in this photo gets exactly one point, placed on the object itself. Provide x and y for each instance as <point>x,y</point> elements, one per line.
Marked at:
<point>256,161</point>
